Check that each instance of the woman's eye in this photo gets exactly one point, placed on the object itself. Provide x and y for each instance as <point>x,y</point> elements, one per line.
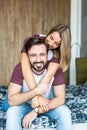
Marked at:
<point>57,44</point>
<point>51,37</point>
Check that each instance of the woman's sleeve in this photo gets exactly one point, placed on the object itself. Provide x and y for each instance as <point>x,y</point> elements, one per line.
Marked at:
<point>23,48</point>
<point>55,60</point>
<point>59,78</point>
<point>51,57</point>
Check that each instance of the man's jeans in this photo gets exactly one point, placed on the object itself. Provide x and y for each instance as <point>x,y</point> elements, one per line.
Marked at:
<point>15,115</point>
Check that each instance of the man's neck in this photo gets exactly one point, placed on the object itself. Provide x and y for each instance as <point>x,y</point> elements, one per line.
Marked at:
<point>38,72</point>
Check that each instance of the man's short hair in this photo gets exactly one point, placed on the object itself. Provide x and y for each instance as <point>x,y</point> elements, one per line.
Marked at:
<point>34,41</point>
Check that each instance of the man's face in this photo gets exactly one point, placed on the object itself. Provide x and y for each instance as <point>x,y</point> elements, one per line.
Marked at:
<point>38,58</point>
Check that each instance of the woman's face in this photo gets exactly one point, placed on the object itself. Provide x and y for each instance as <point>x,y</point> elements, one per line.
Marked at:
<point>53,40</point>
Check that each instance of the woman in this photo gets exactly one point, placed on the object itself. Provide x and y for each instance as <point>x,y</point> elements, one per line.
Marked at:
<point>58,40</point>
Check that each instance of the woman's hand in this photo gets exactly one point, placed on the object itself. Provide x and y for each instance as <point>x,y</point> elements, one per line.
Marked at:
<point>35,102</point>
<point>44,103</point>
<point>41,102</point>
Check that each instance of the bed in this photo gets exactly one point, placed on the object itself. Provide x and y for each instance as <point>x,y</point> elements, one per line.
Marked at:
<point>76,99</point>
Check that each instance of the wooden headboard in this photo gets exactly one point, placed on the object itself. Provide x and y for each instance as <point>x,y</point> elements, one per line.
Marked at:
<point>81,70</point>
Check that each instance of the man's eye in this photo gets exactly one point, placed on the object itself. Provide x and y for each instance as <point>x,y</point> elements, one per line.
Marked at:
<point>33,55</point>
<point>42,54</point>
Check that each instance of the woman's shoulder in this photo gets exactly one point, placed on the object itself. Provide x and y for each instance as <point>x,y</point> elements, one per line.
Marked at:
<point>52,58</point>
<point>50,55</point>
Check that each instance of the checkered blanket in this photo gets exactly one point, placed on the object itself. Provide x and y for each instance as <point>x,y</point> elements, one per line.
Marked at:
<point>76,100</point>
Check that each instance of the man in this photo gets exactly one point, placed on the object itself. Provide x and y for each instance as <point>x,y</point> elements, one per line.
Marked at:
<point>21,112</point>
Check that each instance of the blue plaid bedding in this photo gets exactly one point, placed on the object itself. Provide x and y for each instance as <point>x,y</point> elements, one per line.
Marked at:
<point>76,100</point>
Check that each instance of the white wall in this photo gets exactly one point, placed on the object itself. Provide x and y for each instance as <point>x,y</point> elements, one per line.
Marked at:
<point>75,24</point>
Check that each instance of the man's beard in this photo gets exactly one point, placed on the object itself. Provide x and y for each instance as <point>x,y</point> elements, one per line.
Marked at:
<point>38,68</point>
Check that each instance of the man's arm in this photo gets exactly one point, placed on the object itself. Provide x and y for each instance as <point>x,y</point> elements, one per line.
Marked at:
<point>16,97</point>
<point>59,99</point>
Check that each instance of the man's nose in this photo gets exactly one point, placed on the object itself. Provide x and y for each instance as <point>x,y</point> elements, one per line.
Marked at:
<point>38,58</point>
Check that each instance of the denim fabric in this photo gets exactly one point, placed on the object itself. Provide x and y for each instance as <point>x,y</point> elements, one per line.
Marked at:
<point>15,114</point>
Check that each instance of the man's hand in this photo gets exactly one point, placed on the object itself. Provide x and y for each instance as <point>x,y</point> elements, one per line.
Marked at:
<point>29,118</point>
<point>42,102</point>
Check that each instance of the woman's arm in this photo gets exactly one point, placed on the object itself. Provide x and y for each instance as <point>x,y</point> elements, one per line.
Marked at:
<point>51,70</point>
<point>39,100</point>
<point>27,72</point>
<point>29,78</point>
